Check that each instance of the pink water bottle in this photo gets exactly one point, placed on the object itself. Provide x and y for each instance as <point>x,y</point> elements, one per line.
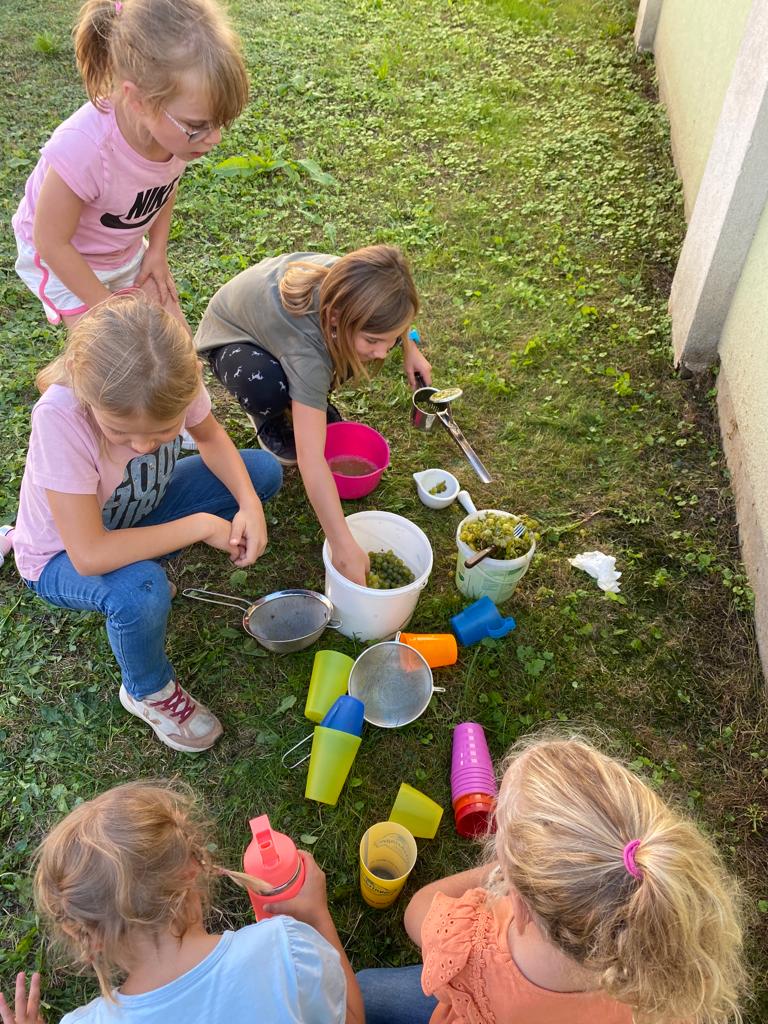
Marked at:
<point>272,857</point>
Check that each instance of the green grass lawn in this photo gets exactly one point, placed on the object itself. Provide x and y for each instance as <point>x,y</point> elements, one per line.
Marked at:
<point>516,151</point>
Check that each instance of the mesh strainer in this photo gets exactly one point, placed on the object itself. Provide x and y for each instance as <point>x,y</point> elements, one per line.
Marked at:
<point>394,682</point>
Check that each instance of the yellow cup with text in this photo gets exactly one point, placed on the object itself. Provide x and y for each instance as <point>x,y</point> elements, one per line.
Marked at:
<point>387,855</point>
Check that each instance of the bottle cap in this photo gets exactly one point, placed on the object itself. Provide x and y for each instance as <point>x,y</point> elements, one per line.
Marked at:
<point>271,856</point>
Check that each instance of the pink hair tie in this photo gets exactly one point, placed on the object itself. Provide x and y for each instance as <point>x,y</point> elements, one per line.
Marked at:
<point>118,7</point>
<point>629,859</point>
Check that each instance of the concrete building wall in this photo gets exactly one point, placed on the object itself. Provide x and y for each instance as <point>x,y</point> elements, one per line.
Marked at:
<point>713,81</point>
<point>743,413</point>
<point>695,48</point>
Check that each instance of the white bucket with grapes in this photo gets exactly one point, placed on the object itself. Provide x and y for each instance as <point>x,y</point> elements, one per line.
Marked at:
<point>495,578</point>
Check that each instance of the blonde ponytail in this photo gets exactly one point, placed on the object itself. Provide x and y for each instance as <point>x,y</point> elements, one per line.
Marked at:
<point>131,860</point>
<point>657,921</point>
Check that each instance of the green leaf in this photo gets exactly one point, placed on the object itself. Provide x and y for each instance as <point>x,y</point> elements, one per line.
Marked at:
<point>286,704</point>
<point>307,839</point>
<point>234,166</point>
<point>316,173</point>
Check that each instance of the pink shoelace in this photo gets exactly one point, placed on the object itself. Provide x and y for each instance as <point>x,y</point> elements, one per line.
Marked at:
<point>172,704</point>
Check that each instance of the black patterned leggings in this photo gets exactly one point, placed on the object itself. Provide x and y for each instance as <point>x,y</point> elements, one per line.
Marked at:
<point>253,376</point>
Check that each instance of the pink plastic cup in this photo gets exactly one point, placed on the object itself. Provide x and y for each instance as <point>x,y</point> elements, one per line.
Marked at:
<point>356,440</point>
<point>471,765</point>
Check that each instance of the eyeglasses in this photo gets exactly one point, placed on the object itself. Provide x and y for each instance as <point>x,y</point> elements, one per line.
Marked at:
<point>197,134</point>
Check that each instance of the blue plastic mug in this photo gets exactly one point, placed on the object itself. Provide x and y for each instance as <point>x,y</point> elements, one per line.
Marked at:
<point>479,620</point>
<point>345,715</point>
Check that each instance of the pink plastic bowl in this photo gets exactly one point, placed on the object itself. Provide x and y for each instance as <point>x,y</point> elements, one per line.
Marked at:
<point>356,439</point>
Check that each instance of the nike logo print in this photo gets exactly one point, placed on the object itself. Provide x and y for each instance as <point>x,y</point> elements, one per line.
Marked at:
<point>111,220</point>
<point>146,206</point>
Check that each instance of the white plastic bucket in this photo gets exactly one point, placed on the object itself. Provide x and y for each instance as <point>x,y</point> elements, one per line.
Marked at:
<point>493,577</point>
<point>378,614</point>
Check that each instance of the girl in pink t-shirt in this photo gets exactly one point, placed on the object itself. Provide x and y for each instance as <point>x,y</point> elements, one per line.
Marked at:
<point>104,494</point>
<point>599,905</point>
<point>162,77</point>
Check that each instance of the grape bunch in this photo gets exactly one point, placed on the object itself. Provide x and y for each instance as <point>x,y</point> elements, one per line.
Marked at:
<point>439,487</point>
<point>387,571</point>
<point>492,529</point>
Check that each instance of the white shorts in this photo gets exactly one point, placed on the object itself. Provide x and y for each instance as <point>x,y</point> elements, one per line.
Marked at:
<point>56,298</point>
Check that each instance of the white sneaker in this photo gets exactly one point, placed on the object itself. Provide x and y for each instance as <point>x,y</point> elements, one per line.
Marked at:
<point>179,721</point>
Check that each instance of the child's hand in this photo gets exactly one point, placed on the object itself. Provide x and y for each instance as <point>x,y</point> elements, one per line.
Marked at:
<point>248,536</point>
<point>414,361</point>
<point>26,1009</point>
<point>311,905</point>
<point>155,278</point>
<point>351,561</point>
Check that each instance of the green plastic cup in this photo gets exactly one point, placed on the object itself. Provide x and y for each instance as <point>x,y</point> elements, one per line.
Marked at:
<point>416,811</point>
<point>333,753</point>
<point>329,679</point>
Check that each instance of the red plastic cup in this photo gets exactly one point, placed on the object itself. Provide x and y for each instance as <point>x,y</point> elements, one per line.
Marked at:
<point>473,815</point>
<point>356,440</point>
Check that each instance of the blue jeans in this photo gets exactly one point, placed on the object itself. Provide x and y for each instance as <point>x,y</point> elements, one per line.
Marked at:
<point>393,995</point>
<point>136,598</point>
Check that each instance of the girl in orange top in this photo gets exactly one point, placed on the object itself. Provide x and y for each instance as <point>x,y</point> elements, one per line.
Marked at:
<point>598,905</point>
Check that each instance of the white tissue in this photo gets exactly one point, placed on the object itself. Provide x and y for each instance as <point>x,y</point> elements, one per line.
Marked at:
<point>601,567</point>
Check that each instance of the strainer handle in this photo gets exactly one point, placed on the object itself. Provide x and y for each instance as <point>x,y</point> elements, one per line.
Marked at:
<point>230,602</point>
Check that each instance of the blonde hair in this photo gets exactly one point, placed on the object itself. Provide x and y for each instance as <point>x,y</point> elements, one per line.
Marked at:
<point>155,44</point>
<point>129,862</point>
<point>668,943</point>
<point>370,289</point>
<point>127,356</point>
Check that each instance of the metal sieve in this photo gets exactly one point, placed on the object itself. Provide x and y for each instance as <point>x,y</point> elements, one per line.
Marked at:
<point>394,682</point>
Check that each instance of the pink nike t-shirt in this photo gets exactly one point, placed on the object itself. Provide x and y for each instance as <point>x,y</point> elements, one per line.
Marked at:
<point>68,453</point>
<point>122,191</point>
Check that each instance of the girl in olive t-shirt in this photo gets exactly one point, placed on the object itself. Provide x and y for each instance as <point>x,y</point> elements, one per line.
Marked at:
<point>285,332</point>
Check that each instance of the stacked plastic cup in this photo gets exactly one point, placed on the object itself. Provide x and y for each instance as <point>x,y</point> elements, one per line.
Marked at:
<point>473,784</point>
<point>335,743</point>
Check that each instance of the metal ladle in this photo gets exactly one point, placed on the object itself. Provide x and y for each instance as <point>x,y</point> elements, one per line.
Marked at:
<point>425,411</point>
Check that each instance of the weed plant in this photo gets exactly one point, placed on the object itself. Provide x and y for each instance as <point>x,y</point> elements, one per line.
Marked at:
<point>517,152</point>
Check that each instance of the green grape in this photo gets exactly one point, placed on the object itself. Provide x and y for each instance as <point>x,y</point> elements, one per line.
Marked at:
<point>387,571</point>
<point>492,529</point>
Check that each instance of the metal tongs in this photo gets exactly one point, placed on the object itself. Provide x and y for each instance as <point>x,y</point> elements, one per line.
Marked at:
<point>429,404</point>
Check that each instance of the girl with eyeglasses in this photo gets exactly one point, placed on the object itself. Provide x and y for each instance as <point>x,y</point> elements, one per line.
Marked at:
<point>288,330</point>
<point>162,78</point>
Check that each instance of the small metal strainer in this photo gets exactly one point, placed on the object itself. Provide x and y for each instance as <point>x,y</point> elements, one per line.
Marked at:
<point>283,622</point>
<point>394,682</point>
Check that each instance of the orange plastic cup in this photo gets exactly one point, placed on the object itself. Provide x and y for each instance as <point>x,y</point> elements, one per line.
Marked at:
<point>437,649</point>
<point>473,814</point>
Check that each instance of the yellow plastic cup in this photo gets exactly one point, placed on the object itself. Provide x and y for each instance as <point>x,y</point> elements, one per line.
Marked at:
<point>329,679</point>
<point>387,855</point>
<point>418,812</point>
<point>329,763</point>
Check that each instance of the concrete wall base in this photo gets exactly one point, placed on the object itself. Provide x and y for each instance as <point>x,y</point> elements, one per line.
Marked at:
<point>754,543</point>
<point>648,14</point>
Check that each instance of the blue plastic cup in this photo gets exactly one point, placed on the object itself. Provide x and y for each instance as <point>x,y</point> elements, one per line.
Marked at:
<point>345,715</point>
<point>479,620</point>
